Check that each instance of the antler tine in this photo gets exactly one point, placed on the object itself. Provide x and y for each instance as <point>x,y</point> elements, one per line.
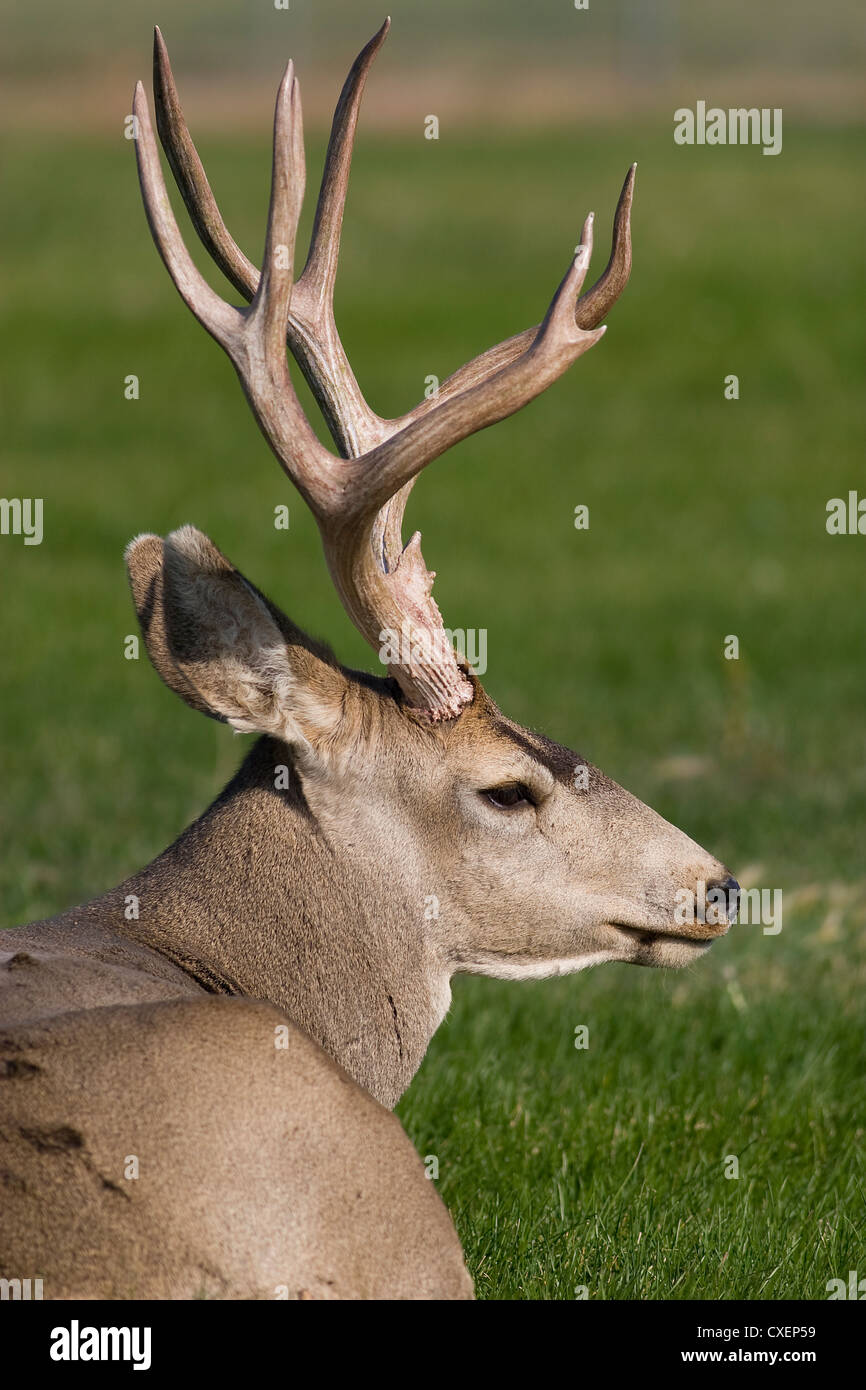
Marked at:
<point>555,345</point>
<point>596,304</point>
<point>220,319</point>
<point>313,336</point>
<point>191,178</point>
<point>253,338</point>
<point>274,293</point>
<point>321,269</point>
<point>590,309</point>
<point>259,353</point>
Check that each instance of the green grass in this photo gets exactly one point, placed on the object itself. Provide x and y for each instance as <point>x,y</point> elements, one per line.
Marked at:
<point>601,1168</point>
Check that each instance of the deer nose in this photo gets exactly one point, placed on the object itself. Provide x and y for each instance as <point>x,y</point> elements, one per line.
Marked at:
<point>731,890</point>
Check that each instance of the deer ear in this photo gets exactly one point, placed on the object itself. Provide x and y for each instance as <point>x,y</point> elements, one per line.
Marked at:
<point>225,649</point>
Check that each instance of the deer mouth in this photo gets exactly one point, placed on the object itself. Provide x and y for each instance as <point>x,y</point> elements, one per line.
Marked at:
<point>715,909</point>
<point>651,936</point>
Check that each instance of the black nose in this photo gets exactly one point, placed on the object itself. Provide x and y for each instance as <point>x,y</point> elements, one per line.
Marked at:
<point>731,889</point>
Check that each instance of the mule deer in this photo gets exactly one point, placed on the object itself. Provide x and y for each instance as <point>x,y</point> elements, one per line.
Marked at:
<point>195,1094</point>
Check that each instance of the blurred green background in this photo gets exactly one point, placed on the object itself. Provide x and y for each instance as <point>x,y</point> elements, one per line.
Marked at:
<point>564,1169</point>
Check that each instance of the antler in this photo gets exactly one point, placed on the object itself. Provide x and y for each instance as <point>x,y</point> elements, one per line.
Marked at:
<point>357,497</point>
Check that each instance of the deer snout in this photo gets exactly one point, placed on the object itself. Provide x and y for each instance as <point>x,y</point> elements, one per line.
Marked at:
<point>731,890</point>
<point>715,906</point>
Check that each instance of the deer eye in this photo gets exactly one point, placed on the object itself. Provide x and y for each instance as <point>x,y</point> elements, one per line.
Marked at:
<point>511,795</point>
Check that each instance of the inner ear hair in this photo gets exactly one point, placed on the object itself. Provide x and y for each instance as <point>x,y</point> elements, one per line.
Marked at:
<point>225,648</point>
<point>145,566</point>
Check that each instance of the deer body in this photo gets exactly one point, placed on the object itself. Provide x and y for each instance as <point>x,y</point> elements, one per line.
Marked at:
<point>243,1032</point>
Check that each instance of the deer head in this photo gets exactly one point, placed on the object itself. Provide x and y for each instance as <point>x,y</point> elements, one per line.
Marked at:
<point>454,839</point>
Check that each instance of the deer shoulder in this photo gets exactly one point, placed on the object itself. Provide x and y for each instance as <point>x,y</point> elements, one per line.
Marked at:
<point>209,1148</point>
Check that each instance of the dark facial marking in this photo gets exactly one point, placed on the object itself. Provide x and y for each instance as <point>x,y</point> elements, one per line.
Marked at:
<point>559,761</point>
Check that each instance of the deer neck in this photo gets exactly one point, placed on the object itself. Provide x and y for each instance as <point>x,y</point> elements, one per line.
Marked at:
<point>256,899</point>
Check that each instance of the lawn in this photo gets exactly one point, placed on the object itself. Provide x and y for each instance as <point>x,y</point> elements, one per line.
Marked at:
<point>600,1169</point>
